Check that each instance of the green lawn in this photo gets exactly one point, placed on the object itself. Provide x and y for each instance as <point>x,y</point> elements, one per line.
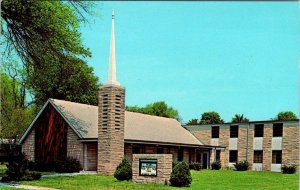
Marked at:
<point>206,179</point>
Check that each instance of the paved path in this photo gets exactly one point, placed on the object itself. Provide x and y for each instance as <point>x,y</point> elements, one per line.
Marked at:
<point>25,186</point>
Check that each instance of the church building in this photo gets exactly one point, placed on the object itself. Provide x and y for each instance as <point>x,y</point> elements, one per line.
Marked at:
<point>101,136</point>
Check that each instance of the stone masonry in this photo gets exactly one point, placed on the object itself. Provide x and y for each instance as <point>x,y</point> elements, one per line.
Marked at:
<point>290,145</point>
<point>164,168</point>
<point>28,145</point>
<point>111,112</point>
<point>74,147</point>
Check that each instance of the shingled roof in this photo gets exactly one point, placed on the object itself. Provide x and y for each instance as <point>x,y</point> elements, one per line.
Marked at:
<point>83,119</point>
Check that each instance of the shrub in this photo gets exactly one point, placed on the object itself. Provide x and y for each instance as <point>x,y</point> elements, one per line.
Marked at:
<point>288,169</point>
<point>216,165</point>
<point>242,165</point>
<point>17,169</point>
<point>181,175</point>
<point>70,165</point>
<point>123,171</point>
<point>195,166</point>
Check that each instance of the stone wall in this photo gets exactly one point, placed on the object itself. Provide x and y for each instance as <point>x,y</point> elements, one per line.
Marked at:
<point>74,147</point>
<point>164,168</point>
<point>111,113</point>
<point>290,145</point>
<point>267,147</point>
<point>224,141</point>
<point>28,145</point>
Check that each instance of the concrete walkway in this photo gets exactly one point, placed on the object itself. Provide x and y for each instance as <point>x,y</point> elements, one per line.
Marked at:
<point>44,176</point>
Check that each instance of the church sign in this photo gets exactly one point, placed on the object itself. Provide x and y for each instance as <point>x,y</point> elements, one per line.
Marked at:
<point>148,167</point>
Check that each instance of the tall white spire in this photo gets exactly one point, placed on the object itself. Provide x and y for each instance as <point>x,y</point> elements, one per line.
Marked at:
<point>112,73</point>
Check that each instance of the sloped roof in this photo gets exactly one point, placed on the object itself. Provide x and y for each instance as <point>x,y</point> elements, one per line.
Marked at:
<point>83,119</point>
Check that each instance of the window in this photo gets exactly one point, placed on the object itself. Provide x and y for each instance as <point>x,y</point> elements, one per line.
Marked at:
<point>218,154</point>
<point>277,129</point>
<point>180,154</point>
<point>234,131</point>
<point>259,130</point>
<point>160,150</point>
<point>215,131</point>
<point>233,154</point>
<point>258,156</point>
<point>137,150</point>
<point>276,156</point>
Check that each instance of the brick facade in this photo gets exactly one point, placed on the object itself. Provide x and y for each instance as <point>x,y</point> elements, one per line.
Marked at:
<point>111,112</point>
<point>290,145</point>
<point>28,145</point>
<point>245,143</point>
<point>164,168</point>
<point>74,147</point>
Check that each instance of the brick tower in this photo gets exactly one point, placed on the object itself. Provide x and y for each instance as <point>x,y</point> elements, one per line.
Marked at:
<point>111,113</point>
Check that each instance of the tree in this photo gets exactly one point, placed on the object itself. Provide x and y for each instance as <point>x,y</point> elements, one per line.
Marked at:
<point>72,80</point>
<point>286,115</point>
<point>159,108</point>
<point>239,118</point>
<point>192,122</point>
<point>40,31</point>
<point>15,116</point>
<point>211,118</point>
<point>45,36</point>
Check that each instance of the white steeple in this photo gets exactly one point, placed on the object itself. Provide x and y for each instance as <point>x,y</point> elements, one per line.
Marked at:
<point>112,73</point>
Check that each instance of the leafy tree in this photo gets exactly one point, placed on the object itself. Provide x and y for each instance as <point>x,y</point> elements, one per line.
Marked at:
<point>286,115</point>
<point>157,108</point>
<point>192,122</point>
<point>72,80</point>
<point>45,36</point>
<point>239,118</point>
<point>40,31</point>
<point>211,118</point>
<point>15,114</point>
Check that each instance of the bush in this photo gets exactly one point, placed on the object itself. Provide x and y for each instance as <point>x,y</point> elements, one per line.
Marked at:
<point>195,166</point>
<point>17,169</point>
<point>291,169</point>
<point>181,175</point>
<point>242,165</point>
<point>216,165</point>
<point>123,171</point>
<point>70,165</point>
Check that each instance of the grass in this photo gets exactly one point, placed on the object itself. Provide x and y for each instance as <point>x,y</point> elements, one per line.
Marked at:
<point>206,179</point>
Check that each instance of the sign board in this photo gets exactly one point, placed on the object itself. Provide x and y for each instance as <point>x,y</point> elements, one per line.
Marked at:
<point>148,167</point>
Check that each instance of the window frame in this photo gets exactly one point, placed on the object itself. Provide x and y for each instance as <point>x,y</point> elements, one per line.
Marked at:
<point>234,134</point>
<point>258,156</point>
<point>276,156</point>
<point>215,130</point>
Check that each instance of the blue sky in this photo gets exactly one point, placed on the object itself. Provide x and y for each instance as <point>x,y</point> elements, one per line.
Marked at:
<point>229,57</point>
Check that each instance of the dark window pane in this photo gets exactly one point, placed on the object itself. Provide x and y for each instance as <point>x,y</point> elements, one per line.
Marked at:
<point>218,154</point>
<point>136,150</point>
<point>215,131</point>
<point>233,154</point>
<point>180,154</point>
<point>276,156</point>
<point>234,131</point>
<point>258,156</point>
<point>160,150</point>
<point>277,129</point>
<point>259,130</point>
